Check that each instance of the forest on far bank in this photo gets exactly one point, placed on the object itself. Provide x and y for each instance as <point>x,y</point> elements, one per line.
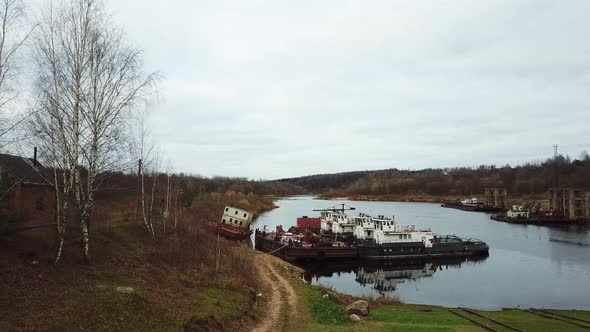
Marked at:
<point>530,178</point>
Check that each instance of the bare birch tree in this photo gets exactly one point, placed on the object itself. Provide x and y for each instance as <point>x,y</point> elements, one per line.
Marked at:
<point>13,35</point>
<point>90,83</point>
<point>143,149</point>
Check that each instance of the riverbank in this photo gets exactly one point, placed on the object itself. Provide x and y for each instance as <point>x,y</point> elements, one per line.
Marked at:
<point>422,198</point>
<point>135,282</point>
<point>321,309</point>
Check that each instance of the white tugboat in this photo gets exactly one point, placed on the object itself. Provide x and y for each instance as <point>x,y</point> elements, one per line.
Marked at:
<point>392,240</point>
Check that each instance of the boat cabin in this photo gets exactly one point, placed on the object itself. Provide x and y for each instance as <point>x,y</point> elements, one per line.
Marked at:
<point>470,201</point>
<point>329,218</point>
<point>364,227</point>
<point>236,217</point>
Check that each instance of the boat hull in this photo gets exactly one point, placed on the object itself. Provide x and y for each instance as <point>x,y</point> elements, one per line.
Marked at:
<point>229,232</point>
<point>464,207</point>
<point>367,251</point>
<point>556,221</point>
<point>418,250</point>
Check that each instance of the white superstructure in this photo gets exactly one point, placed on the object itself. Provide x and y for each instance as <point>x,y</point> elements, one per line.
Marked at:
<point>236,217</point>
<point>364,228</point>
<point>387,231</point>
<point>518,212</point>
<point>336,222</point>
<point>471,201</point>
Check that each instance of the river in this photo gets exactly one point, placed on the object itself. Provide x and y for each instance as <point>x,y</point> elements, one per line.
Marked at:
<point>524,267</point>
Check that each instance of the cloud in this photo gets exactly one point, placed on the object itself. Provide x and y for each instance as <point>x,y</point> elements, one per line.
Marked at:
<point>271,89</point>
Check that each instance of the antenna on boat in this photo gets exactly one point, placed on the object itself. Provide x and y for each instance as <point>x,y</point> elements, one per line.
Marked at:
<point>340,207</point>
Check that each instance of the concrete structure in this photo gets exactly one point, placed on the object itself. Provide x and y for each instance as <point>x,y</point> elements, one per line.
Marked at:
<point>496,197</point>
<point>572,203</point>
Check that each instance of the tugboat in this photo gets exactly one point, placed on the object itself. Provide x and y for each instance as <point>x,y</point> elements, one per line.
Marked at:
<point>519,214</point>
<point>234,224</point>
<point>471,204</point>
<point>394,241</point>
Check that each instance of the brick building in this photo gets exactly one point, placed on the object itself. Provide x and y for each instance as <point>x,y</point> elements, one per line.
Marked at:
<point>26,194</point>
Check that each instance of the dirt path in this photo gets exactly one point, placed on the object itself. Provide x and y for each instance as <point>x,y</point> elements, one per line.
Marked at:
<point>282,295</point>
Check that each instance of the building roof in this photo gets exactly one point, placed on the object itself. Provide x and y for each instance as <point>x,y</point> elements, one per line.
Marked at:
<point>22,169</point>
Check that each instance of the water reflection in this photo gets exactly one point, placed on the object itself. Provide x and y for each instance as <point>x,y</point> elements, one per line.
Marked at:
<point>381,277</point>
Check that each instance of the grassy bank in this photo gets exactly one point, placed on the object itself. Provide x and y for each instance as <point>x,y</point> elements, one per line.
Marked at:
<point>328,315</point>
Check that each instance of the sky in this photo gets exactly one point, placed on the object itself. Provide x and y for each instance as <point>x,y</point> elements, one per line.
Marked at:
<point>275,89</point>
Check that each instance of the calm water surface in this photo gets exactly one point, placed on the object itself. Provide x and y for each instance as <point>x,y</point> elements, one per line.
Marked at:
<point>524,268</point>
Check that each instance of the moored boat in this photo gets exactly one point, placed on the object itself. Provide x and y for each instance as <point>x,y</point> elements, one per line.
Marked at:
<point>234,224</point>
<point>472,204</point>
<point>370,238</point>
<point>535,216</point>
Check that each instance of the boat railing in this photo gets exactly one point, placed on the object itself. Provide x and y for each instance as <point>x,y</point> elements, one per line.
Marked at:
<point>397,240</point>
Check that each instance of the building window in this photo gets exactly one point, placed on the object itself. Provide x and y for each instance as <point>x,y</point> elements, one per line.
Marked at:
<point>245,215</point>
<point>236,212</point>
<point>223,221</point>
<point>226,209</point>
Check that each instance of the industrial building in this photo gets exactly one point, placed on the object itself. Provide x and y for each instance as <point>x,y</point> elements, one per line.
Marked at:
<point>572,203</point>
<point>496,197</point>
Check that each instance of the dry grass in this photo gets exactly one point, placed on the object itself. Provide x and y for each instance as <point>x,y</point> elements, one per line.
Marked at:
<point>174,278</point>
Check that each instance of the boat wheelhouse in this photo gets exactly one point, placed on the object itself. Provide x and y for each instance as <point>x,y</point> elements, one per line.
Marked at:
<point>335,220</point>
<point>343,226</point>
<point>364,227</point>
<point>235,217</point>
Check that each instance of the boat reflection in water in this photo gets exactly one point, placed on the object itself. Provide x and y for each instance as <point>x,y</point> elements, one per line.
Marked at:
<point>381,276</point>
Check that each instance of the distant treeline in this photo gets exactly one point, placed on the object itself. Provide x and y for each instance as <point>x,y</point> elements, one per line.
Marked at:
<point>199,187</point>
<point>531,178</point>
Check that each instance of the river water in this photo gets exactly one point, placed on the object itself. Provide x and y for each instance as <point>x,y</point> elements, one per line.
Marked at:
<point>524,267</point>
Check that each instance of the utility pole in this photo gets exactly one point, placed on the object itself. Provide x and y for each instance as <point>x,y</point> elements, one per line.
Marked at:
<point>138,191</point>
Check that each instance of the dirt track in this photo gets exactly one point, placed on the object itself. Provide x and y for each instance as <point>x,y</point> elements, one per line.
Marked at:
<point>282,295</point>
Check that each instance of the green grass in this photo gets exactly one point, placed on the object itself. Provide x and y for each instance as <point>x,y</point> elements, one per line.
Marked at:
<point>409,314</point>
<point>528,321</point>
<point>400,328</point>
<point>580,314</point>
<point>324,315</point>
<point>323,311</point>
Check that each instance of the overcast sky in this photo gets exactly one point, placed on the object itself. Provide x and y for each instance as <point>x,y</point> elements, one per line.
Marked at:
<point>272,89</point>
